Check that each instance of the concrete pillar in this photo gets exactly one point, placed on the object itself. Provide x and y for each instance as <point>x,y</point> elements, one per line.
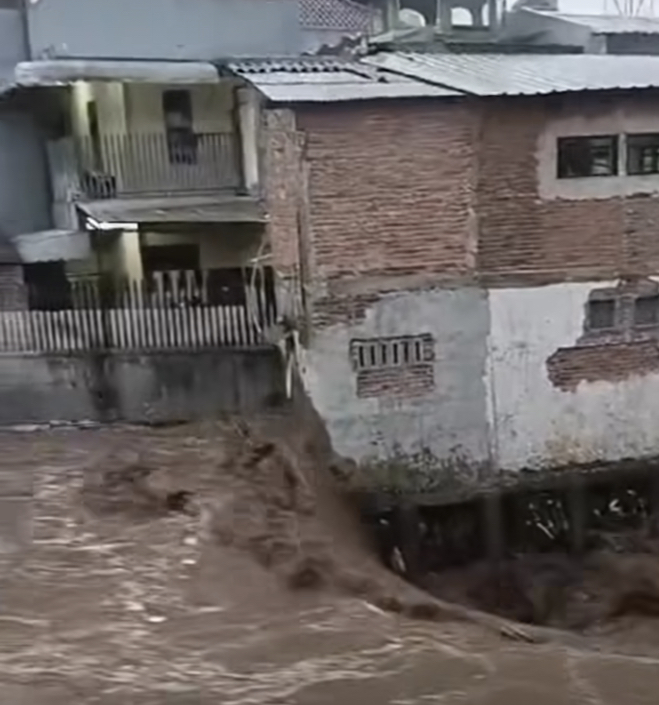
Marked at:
<point>445,15</point>
<point>391,14</point>
<point>248,111</point>
<point>476,16</point>
<point>131,255</point>
<point>492,15</point>
<point>578,514</point>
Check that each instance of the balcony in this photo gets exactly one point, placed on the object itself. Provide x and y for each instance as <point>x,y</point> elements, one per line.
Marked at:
<point>131,165</point>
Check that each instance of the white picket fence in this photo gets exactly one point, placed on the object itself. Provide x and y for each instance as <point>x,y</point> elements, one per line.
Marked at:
<point>131,329</point>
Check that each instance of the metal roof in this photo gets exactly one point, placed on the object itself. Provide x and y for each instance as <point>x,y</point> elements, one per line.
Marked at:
<point>179,209</point>
<point>325,80</point>
<point>608,24</point>
<point>523,74</point>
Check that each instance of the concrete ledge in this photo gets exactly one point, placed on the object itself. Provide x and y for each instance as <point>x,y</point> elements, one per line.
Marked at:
<point>147,387</point>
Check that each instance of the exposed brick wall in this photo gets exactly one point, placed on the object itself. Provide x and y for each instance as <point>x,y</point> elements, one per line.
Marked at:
<point>520,232</point>
<point>284,188</point>
<point>390,186</point>
<point>442,190</point>
<point>568,367</point>
<point>401,382</point>
<point>282,165</point>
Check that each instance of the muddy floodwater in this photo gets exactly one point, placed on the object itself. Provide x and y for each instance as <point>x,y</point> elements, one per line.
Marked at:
<point>145,608</point>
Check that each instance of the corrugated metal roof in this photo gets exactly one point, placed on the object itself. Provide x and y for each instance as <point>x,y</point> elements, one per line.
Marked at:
<point>325,80</point>
<point>523,74</point>
<point>179,209</point>
<point>610,24</point>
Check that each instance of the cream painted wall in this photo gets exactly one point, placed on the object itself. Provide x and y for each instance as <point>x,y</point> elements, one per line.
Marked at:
<point>212,107</point>
<point>81,94</point>
<point>110,103</point>
<point>534,424</point>
<point>129,256</point>
<point>138,107</point>
<point>226,247</point>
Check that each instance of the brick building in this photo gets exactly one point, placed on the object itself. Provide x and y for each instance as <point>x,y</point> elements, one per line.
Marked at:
<point>472,243</point>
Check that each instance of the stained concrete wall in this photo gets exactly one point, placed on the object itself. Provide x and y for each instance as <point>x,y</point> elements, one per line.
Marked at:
<point>137,388</point>
<point>24,194</point>
<point>499,403</point>
<point>417,441</point>
<point>12,42</point>
<point>534,423</point>
<point>164,29</point>
<point>24,190</point>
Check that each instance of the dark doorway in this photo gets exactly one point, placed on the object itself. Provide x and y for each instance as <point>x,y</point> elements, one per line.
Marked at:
<point>181,138</point>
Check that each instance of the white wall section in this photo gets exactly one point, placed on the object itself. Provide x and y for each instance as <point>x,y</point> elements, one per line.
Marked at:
<point>534,424</point>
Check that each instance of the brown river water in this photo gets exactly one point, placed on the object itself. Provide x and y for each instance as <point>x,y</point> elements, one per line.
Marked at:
<point>248,596</point>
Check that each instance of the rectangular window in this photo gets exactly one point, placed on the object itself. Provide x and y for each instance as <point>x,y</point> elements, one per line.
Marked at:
<point>643,153</point>
<point>382,353</point>
<point>646,311</point>
<point>587,156</point>
<point>181,138</point>
<point>601,314</point>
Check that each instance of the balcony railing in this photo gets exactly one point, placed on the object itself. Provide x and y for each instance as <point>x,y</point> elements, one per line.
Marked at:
<point>116,166</point>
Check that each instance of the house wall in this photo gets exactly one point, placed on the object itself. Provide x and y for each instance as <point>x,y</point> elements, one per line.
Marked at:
<point>24,189</point>
<point>110,105</point>
<point>137,108</point>
<point>379,220</point>
<point>413,433</point>
<point>12,42</point>
<point>555,400</point>
<point>439,219</point>
<point>534,227</point>
<point>212,107</point>
<point>391,195</point>
<point>630,43</point>
<point>196,29</point>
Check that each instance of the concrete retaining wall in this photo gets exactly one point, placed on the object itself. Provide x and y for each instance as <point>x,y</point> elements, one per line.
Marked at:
<point>167,386</point>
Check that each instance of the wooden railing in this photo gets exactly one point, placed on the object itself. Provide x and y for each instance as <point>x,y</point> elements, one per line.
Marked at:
<point>139,316</point>
<point>114,166</point>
